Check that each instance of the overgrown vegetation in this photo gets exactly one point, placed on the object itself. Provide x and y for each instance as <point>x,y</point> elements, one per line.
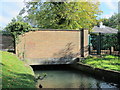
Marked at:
<point>15,73</point>
<point>17,27</point>
<point>107,62</point>
<point>62,15</point>
<point>107,41</point>
<point>112,21</point>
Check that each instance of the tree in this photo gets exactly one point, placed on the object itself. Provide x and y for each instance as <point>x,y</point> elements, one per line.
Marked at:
<point>62,15</point>
<point>107,41</point>
<point>111,39</point>
<point>16,28</point>
<point>112,21</point>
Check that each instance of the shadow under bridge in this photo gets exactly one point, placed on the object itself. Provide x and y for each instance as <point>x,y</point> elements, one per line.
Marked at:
<point>53,61</point>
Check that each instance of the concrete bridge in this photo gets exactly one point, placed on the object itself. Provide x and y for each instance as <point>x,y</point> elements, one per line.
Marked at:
<point>51,61</point>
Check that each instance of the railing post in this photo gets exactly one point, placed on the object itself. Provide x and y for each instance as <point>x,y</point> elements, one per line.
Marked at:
<point>119,42</point>
<point>82,42</point>
<point>14,43</point>
<point>99,44</point>
<point>111,50</point>
<point>90,45</point>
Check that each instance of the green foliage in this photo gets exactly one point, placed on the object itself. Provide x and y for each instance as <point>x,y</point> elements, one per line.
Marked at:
<point>112,21</point>
<point>18,18</point>
<point>108,62</point>
<point>62,15</point>
<point>4,32</point>
<point>17,28</point>
<point>15,73</point>
<point>107,41</point>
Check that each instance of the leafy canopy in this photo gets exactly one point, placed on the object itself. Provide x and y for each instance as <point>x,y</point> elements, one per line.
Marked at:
<point>107,41</point>
<point>17,27</point>
<point>112,21</point>
<point>110,40</point>
<point>62,15</point>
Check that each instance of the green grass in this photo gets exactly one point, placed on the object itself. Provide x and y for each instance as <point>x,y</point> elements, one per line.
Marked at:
<point>15,73</point>
<point>107,62</point>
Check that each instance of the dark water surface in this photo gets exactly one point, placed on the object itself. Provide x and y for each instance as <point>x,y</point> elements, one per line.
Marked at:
<point>70,79</point>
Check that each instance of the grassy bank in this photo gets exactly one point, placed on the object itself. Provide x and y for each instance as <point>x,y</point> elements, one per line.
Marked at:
<point>107,62</point>
<point>15,73</point>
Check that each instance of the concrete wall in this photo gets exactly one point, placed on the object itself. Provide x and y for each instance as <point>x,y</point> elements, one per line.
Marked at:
<point>106,75</point>
<point>45,44</point>
<point>84,43</point>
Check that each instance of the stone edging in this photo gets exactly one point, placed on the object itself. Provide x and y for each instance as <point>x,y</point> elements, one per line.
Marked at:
<point>106,75</point>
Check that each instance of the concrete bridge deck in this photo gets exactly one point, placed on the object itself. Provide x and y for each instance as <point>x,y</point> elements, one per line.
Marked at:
<point>51,61</point>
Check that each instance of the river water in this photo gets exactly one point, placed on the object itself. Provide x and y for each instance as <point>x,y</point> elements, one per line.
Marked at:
<point>70,79</point>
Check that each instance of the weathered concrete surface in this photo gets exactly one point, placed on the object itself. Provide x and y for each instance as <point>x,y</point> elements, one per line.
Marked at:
<point>107,75</point>
<point>52,61</point>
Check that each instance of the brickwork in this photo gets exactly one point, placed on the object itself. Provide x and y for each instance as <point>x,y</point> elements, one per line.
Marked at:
<point>46,44</point>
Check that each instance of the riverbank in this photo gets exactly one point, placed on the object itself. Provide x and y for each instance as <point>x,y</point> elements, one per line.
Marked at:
<point>107,62</point>
<point>111,76</point>
<point>15,73</point>
<point>106,67</point>
<point>67,76</point>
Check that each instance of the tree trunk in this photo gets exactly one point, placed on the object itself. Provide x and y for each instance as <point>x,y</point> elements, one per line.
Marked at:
<point>119,41</point>
<point>14,42</point>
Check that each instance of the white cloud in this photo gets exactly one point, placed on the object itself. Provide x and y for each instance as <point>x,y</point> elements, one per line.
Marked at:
<point>4,20</point>
<point>8,12</point>
<point>108,0</point>
<point>112,4</point>
<point>20,4</point>
<point>14,12</point>
<point>107,15</point>
<point>11,0</point>
<point>112,7</point>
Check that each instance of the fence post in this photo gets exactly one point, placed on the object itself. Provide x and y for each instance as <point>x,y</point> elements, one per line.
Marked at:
<point>99,44</point>
<point>82,42</point>
<point>111,50</point>
<point>119,42</point>
<point>89,44</point>
<point>14,44</point>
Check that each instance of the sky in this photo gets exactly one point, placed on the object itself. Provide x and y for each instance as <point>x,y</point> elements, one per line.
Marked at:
<point>11,8</point>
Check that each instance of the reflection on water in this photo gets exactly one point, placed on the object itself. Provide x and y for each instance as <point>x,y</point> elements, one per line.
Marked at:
<point>70,79</point>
